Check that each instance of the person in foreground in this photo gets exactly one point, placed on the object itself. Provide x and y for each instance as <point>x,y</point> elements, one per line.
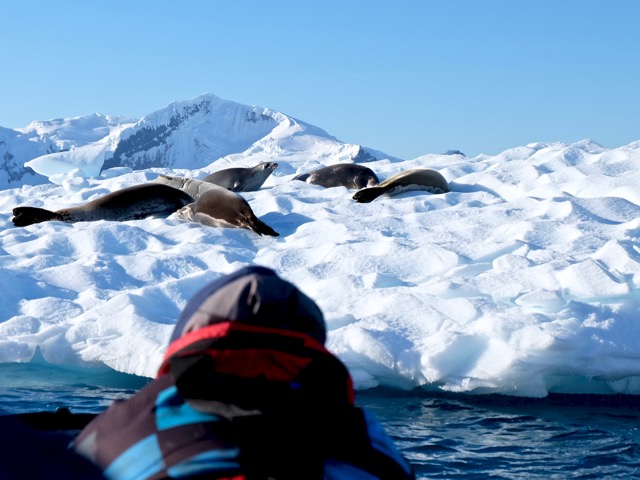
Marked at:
<point>246,391</point>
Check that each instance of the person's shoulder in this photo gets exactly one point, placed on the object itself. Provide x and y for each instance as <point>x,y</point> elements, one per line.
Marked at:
<point>365,450</point>
<point>380,439</point>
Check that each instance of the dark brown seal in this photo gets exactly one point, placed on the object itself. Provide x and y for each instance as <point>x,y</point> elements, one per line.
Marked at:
<point>349,175</point>
<point>130,203</point>
<point>219,207</point>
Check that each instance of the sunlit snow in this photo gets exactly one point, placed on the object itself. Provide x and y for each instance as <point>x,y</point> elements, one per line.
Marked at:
<point>522,280</point>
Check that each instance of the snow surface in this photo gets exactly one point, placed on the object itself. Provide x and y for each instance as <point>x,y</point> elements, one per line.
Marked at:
<point>523,280</point>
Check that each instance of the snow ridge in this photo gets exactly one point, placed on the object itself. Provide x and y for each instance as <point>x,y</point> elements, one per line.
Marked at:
<point>187,134</point>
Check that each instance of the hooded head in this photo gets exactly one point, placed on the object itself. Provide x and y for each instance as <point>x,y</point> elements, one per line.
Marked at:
<point>254,340</point>
<point>254,296</point>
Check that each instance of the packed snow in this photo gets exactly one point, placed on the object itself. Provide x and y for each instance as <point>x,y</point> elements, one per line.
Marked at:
<point>523,280</point>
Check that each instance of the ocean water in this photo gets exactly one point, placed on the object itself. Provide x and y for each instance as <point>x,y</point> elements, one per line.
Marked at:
<point>443,436</point>
<point>561,437</point>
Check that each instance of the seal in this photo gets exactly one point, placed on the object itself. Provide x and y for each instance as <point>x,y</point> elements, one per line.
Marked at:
<point>241,179</point>
<point>350,175</point>
<point>220,207</point>
<point>191,186</point>
<point>130,203</point>
<point>409,180</point>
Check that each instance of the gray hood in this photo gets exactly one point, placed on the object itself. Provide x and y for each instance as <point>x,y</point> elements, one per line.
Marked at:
<point>255,296</point>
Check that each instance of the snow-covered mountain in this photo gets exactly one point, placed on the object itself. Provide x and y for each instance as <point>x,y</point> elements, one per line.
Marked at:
<point>188,134</point>
<point>54,142</point>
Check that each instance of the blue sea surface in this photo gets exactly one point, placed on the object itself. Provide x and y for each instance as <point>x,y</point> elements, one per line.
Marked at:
<point>443,436</point>
<point>465,436</point>
<point>32,387</point>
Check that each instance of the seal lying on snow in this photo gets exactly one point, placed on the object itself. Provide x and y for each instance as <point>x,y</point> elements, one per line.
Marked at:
<point>195,188</point>
<point>219,207</point>
<point>130,203</point>
<point>240,179</point>
<point>216,206</point>
<point>350,175</point>
<point>415,179</point>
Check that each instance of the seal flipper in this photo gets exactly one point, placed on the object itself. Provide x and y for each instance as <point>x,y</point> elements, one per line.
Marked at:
<point>261,228</point>
<point>367,195</point>
<point>23,216</point>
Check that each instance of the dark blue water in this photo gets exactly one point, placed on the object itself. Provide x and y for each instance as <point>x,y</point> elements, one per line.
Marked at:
<point>448,436</point>
<point>443,436</point>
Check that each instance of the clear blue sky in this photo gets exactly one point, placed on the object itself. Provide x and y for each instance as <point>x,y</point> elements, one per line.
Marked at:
<point>404,77</point>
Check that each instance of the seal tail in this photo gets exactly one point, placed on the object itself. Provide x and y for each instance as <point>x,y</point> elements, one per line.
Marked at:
<point>367,195</point>
<point>261,228</point>
<point>23,216</point>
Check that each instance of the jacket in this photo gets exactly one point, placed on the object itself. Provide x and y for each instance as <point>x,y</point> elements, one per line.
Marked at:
<point>246,390</point>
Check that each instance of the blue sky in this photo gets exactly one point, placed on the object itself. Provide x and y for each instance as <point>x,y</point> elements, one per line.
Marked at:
<point>405,77</point>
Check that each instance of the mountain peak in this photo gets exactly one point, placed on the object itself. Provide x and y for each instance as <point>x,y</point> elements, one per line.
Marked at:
<point>188,134</point>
